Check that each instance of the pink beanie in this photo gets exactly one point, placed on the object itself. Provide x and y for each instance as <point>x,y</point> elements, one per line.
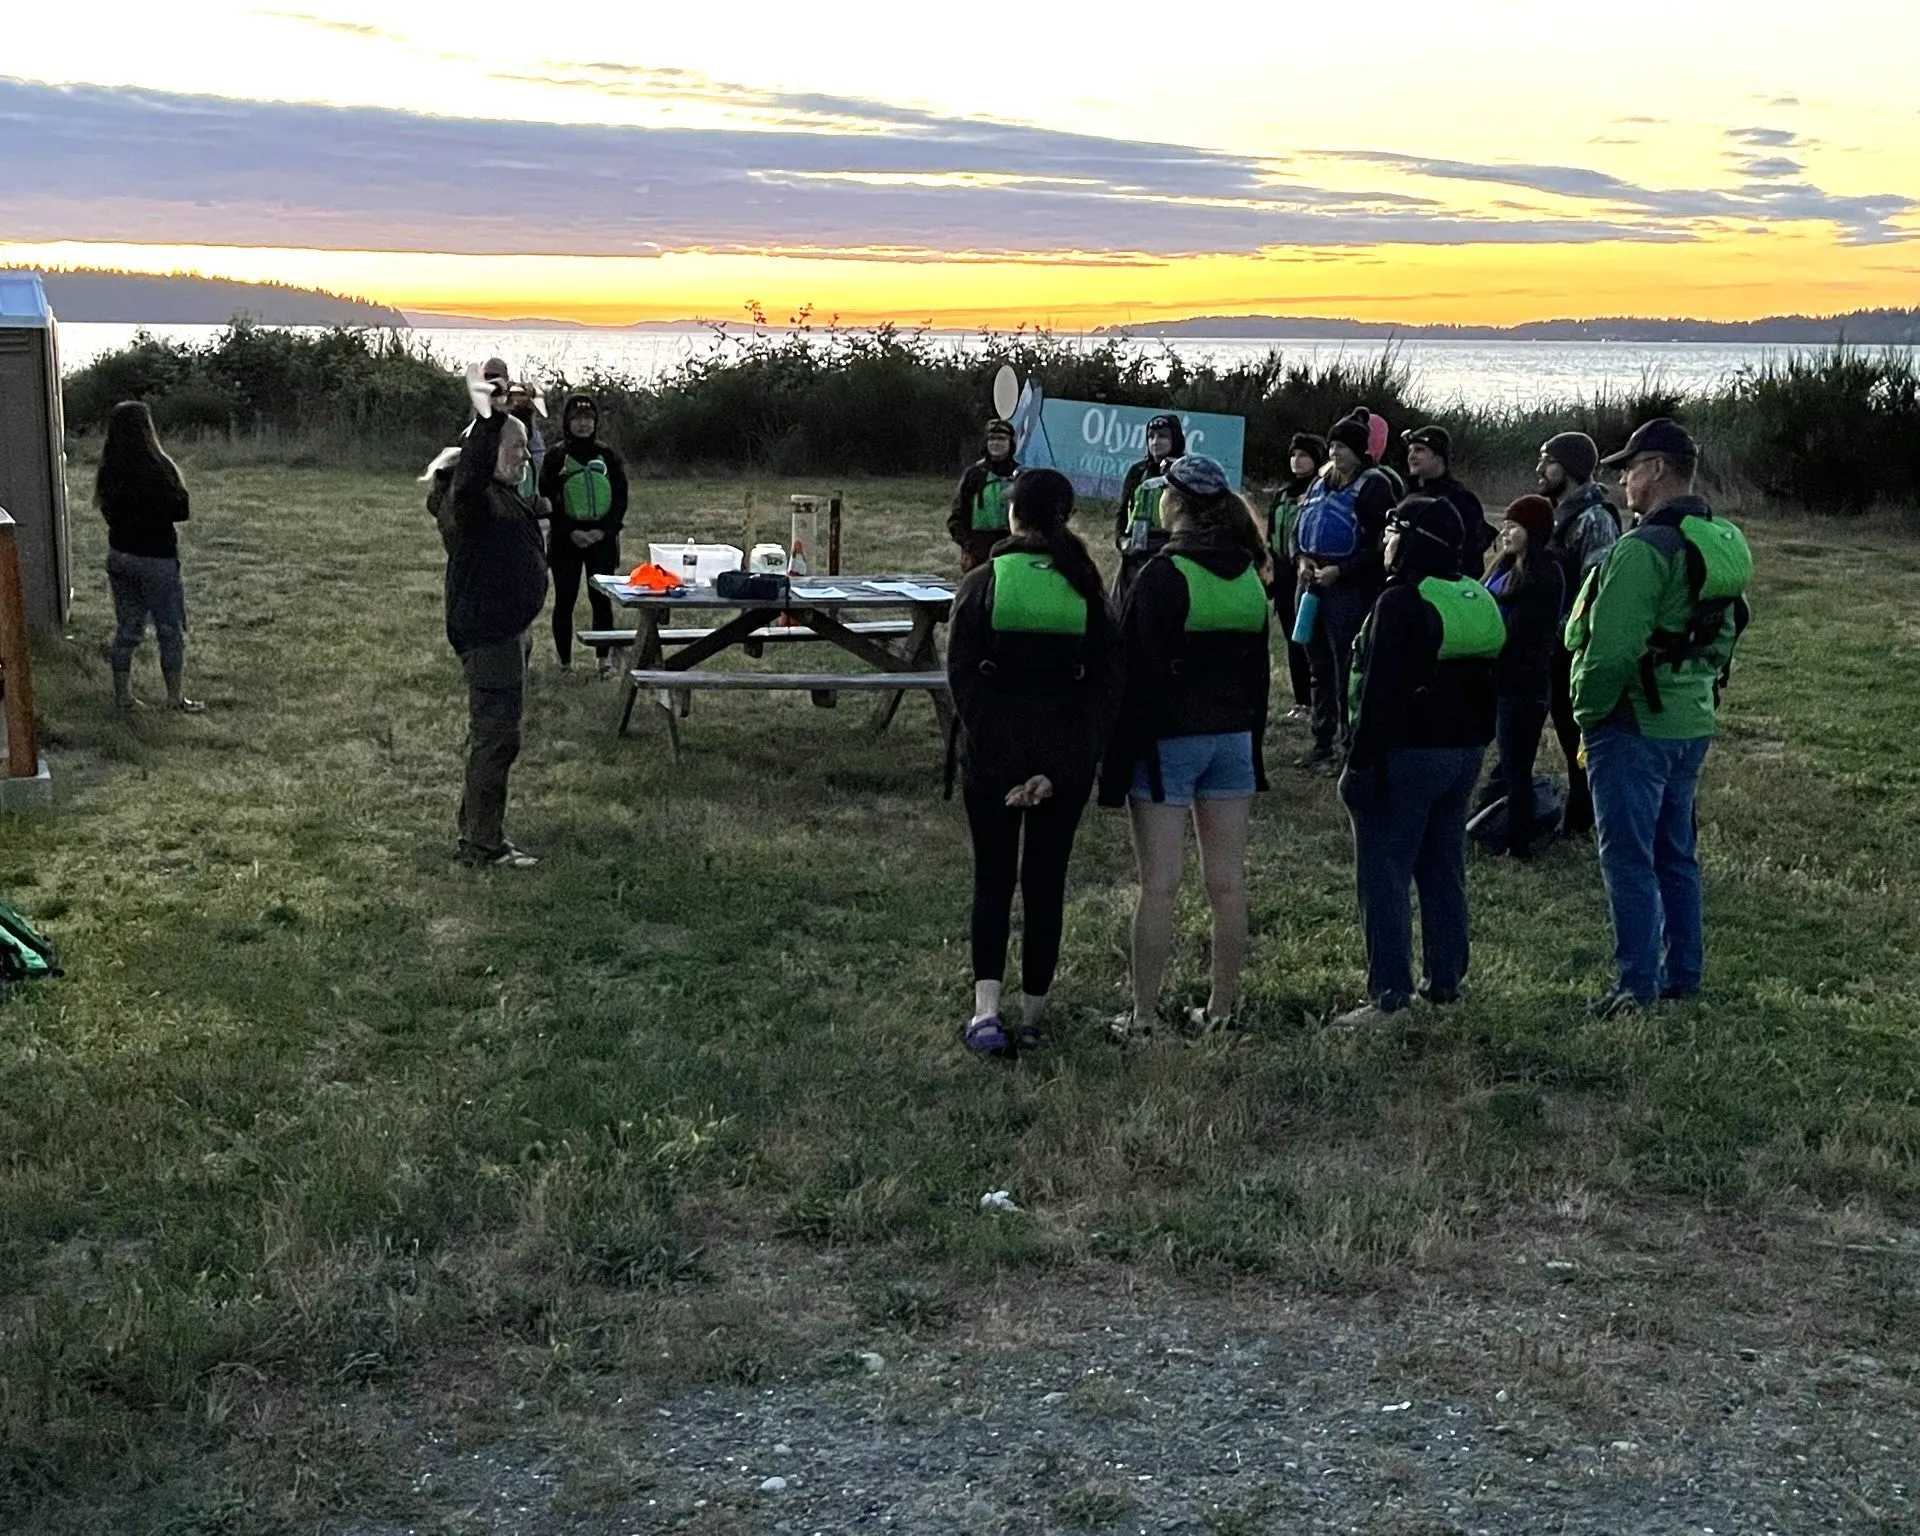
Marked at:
<point>1377,435</point>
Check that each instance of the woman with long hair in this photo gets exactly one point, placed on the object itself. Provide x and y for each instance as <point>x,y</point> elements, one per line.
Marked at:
<point>1305,457</point>
<point>1529,584</point>
<point>139,492</point>
<point>1029,658</point>
<point>1187,745</point>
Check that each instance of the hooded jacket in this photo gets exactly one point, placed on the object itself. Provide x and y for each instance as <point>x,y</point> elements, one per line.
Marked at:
<point>582,450</point>
<point>976,544</point>
<point>1144,469</point>
<point>1479,533</point>
<point>1585,527</point>
<point>496,578</point>
<point>1028,704</point>
<point>1175,688</point>
<point>1408,696</point>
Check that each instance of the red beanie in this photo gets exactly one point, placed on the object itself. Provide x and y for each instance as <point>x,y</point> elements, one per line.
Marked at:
<point>1535,514</point>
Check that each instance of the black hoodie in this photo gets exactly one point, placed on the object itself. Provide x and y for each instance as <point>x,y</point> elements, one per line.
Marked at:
<point>1170,692</point>
<point>1408,696</point>
<point>1141,470</point>
<point>582,450</point>
<point>976,544</point>
<point>496,564</point>
<point>1028,704</point>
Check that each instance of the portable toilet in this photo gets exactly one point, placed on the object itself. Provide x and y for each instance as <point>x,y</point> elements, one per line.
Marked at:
<point>33,460</point>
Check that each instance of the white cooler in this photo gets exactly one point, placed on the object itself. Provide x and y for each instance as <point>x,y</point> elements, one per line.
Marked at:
<point>696,564</point>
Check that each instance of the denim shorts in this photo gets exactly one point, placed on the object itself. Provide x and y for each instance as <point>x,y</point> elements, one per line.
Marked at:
<point>1214,767</point>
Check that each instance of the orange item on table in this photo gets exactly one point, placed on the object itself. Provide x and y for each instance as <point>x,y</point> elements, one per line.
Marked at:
<point>653,578</point>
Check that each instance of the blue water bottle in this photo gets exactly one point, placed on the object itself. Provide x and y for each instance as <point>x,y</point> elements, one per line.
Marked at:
<point>1305,617</point>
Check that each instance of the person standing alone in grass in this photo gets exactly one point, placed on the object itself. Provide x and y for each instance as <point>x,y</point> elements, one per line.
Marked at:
<point>1342,520</point>
<point>1423,713</point>
<point>1652,635</point>
<point>1584,529</point>
<point>1194,711</point>
<point>1304,458</point>
<point>978,518</point>
<point>496,582</point>
<point>141,495</point>
<point>584,483</point>
<point>1030,660</point>
<point>1137,533</point>
<point>1527,584</point>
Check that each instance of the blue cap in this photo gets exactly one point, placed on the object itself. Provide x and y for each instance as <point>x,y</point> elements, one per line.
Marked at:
<point>1199,475</point>
<point>1660,435</point>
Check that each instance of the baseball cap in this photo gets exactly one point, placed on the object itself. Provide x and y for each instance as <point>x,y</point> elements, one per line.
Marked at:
<point>1661,435</point>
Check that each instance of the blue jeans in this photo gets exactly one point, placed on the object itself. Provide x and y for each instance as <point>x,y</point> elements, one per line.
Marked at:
<point>1415,833</point>
<point>1643,810</point>
<point>147,586</point>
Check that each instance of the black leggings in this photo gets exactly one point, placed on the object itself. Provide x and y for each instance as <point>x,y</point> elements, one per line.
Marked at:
<point>998,863</point>
<point>567,560</point>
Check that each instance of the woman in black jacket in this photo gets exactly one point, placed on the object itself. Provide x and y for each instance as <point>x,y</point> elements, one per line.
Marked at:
<point>139,492</point>
<point>1187,745</point>
<point>1030,661</point>
<point>1530,586</point>
<point>584,483</point>
<point>1422,712</point>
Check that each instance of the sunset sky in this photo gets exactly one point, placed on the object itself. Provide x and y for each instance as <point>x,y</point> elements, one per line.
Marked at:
<point>1071,165</point>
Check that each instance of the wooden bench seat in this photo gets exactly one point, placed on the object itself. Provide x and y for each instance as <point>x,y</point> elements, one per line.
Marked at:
<point>824,686</point>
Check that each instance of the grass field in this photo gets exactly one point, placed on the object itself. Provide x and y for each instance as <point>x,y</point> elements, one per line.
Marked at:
<point>323,1132</point>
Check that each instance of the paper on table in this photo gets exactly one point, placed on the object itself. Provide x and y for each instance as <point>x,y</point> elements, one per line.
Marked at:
<point>898,588</point>
<point>927,594</point>
<point>817,594</point>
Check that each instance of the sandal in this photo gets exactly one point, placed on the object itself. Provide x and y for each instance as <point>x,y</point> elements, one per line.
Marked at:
<point>1027,1037</point>
<point>986,1037</point>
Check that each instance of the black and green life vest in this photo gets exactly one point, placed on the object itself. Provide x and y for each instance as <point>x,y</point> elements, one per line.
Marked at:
<point>1146,503</point>
<point>24,954</point>
<point>586,492</point>
<point>529,486</point>
<point>1222,604</point>
<point>990,504</point>
<point>1031,597</point>
<point>1471,629</point>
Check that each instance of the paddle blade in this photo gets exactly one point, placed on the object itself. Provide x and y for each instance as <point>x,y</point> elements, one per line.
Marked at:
<point>1006,392</point>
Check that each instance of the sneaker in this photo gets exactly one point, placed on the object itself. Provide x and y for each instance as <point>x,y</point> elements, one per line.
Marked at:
<point>509,857</point>
<point>1440,997</point>
<point>186,706</point>
<point>1679,994</point>
<point>1298,715</point>
<point>1367,1015</point>
<point>1197,1022</point>
<point>986,1037</point>
<point>1124,1027</point>
<point>1617,1002</point>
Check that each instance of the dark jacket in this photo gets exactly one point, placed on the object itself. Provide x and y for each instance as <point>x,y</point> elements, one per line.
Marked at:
<point>1473,519</point>
<point>1142,469</point>
<point>1533,618</point>
<point>1028,704</point>
<point>553,486</point>
<point>496,562</point>
<point>1215,684</point>
<point>141,512</point>
<point>976,544</point>
<point>1408,696</point>
<point>1585,527</point>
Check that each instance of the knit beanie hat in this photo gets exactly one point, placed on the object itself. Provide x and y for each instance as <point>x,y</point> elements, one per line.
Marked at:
<point>1309,443</point>
<point>1431,518</point>
<point>1535,514</point>
<point>1352,429</point>
<point>1575,453</point>
<point>1377,436</point>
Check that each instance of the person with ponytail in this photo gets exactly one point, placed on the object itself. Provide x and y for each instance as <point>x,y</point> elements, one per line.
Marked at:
<point>1031,664</point>
<point>140,494</point>
<point>1193,645</point>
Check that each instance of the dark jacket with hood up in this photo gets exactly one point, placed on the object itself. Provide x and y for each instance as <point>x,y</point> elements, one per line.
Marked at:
<point>582,450</point>
<point>1174,687</point>
<point>496,562</point>
<point>1027,704</point>
<point>1140,470</point>
<point>1408,696</point>
<point>976,544</point>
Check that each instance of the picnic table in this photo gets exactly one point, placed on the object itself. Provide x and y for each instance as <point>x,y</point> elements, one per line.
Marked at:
<point>902,653</point>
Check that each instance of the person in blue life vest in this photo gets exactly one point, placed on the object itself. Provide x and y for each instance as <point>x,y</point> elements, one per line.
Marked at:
<point>1305,457</point>
<point>1424,684</point>
<point>1186,747</point>
<point>977,520</point>
<point>1526,582</point>
<point>584,483</point>
<point>1652,634</point>
<point>1137,533</point>
<point>1030,659</point>
<point>1338,534</point>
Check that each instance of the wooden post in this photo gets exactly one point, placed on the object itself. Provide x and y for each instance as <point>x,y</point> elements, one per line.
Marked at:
<point>833,535</point>
<point>16,667</point>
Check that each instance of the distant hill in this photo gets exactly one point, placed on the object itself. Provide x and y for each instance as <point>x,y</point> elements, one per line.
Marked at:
<point>435,320</point>
<point>139,298</point>
<point>1872,327</point>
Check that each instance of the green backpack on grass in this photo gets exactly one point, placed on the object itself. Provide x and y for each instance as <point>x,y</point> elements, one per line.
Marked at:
<point>24,954</point>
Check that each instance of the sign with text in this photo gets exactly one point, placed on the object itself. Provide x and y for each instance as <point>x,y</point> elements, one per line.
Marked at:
<point>1093,445</point>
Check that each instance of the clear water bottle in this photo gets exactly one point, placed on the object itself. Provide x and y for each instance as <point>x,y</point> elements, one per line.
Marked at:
<point>690,566</point>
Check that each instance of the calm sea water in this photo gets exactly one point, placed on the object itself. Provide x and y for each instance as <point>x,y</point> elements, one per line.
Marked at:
<point>1486,373</point>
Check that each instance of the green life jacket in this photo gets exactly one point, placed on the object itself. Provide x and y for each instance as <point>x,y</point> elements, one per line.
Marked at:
<point>1031,597</point>
<point>586,493</point>
<point>1146,504</point>
<point>1471,629</point>
<point>529,486</point>
<point>24,954</point>
<point>990,504</point>
<point>1220,604</point>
